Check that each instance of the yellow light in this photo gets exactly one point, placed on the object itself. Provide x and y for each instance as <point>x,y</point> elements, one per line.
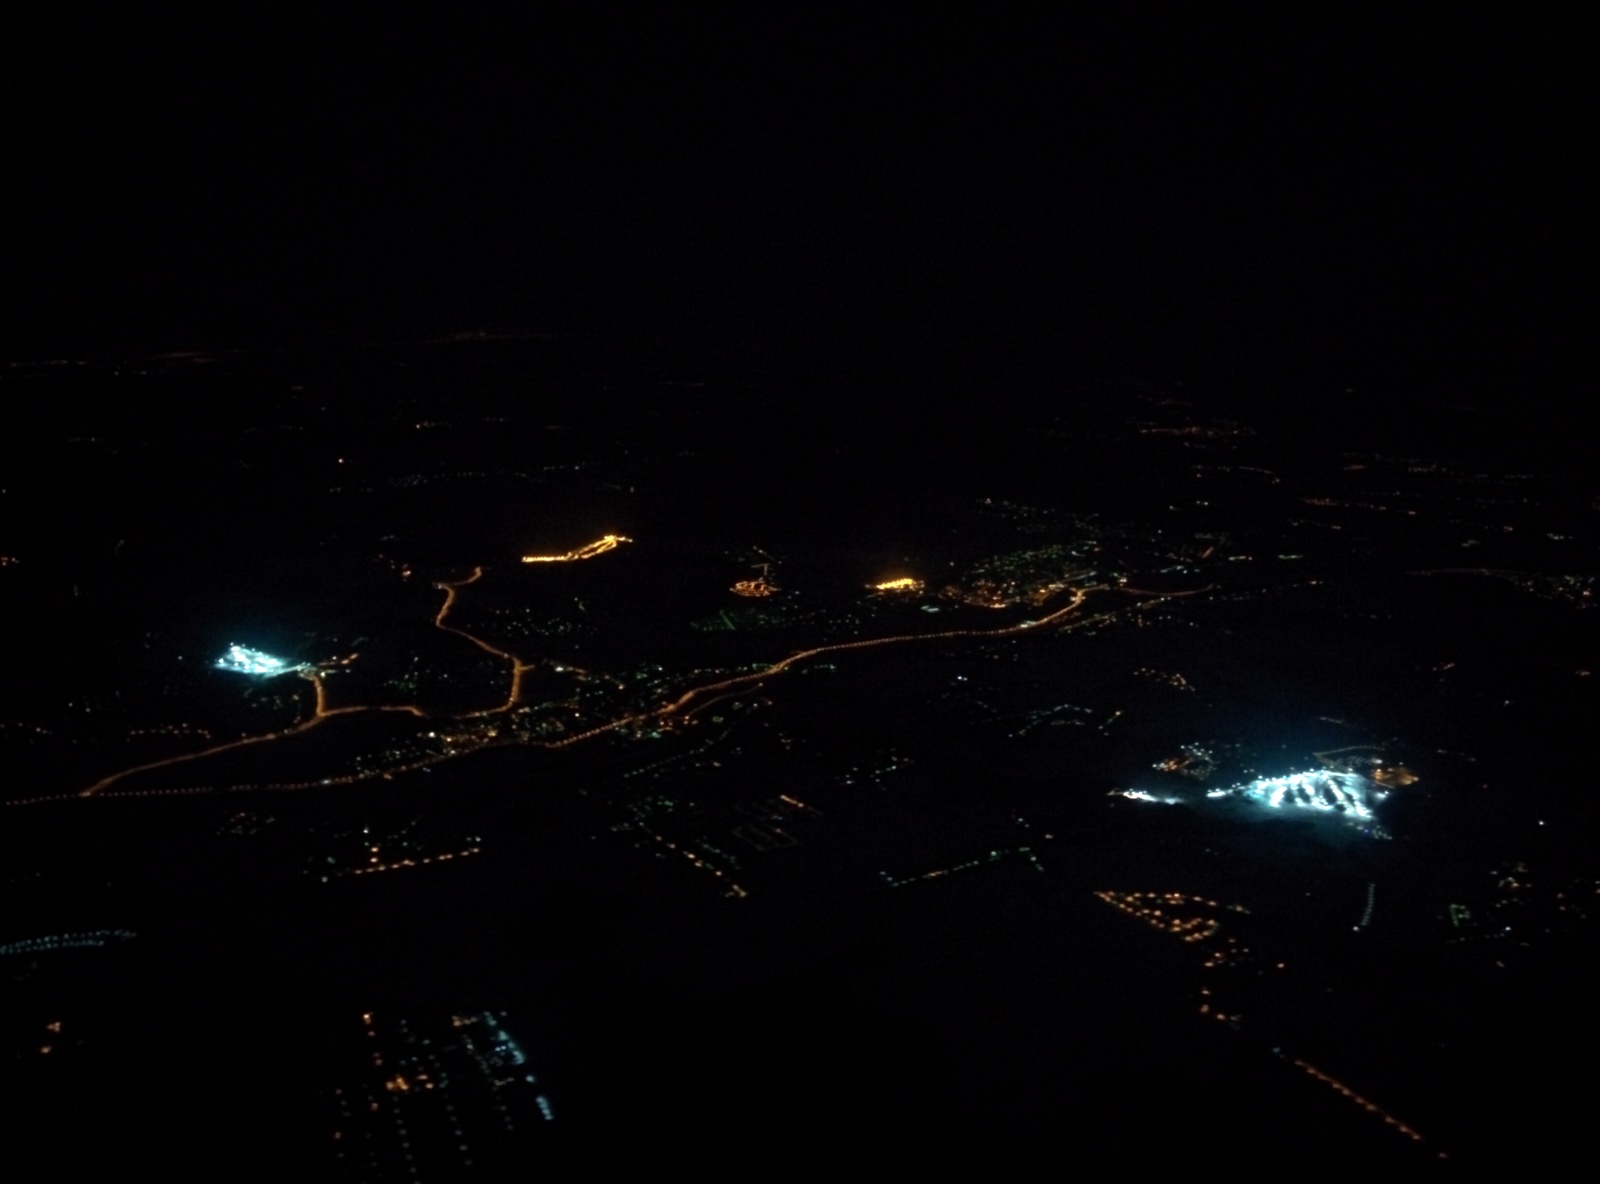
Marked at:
<point>588,551</point>
<point>900,584</point>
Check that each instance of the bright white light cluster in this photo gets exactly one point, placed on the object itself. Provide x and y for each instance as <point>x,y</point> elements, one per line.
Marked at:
<point>1349,794</point>
<point>1140,795</point>
<point>243,660</point>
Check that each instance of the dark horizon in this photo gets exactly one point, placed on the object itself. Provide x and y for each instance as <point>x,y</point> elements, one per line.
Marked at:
<point>1376,196</point>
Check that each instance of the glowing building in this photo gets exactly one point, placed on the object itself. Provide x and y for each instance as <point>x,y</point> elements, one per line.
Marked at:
<point>1393,775</point>
<point>243,660</point>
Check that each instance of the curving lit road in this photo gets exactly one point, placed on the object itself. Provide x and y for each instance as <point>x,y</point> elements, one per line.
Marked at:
<point>1079,595</point>
<point>684,705</point>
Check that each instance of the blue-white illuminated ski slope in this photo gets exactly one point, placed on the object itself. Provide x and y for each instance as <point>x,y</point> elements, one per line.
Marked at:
<point>1334,796</point>
<point>243,660</point>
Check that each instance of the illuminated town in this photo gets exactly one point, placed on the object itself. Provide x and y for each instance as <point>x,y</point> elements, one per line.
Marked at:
<point>1207,777</point>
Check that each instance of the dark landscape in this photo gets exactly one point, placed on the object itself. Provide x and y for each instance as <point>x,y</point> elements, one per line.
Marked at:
<point>621,605</point>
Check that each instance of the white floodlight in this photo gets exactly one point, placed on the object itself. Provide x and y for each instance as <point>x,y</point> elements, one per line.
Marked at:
<point>244,660</point>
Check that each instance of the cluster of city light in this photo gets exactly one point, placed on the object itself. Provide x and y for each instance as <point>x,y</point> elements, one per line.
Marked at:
<point>1322,791</point>
<point>1147,907</point>
<point>1171,679</point>
<point>503,1054</point>
<point>756,588</point>
<point>483,1040</point>
<point>1021,577</point>
<point>588,551</point>
<point>243,660</point>
<point>902,584</point>
<point>66,941</point>
<point>1225,951</point>
<point>988,593</point>
<point>1192,761</point>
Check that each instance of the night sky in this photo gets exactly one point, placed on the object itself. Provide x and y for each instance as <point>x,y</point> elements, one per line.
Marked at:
<point>1374,194</point>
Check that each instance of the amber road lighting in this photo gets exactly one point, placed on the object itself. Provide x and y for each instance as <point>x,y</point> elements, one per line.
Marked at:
<point>588,551</point>
<point>692,699</point>
<point>903,584</point>
<point>1371,1107</point>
